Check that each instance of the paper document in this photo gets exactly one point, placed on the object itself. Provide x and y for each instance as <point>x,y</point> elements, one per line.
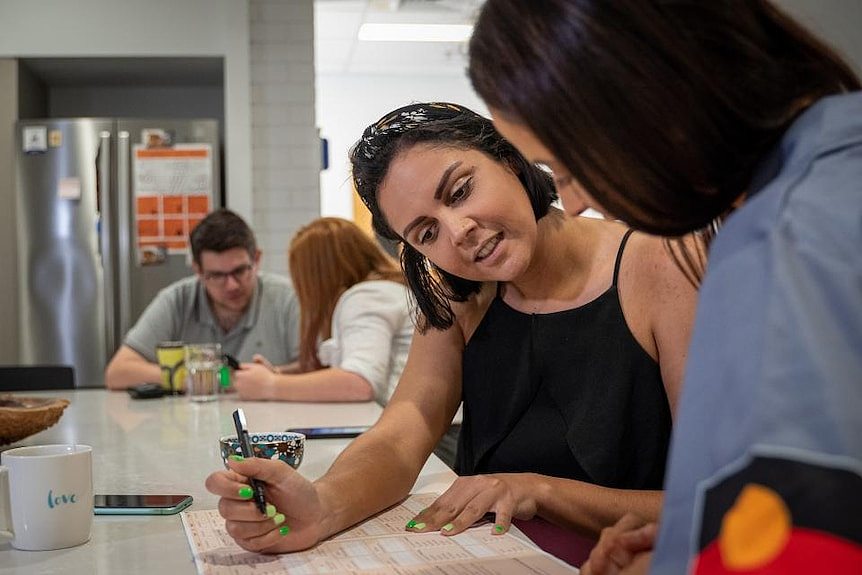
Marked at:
<point>377,546</point>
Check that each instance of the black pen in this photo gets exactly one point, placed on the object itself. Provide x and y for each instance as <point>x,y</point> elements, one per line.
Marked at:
<point>245,446</point>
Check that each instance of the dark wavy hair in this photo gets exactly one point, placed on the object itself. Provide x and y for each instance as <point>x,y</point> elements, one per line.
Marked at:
<point>661,109</point>
<point>445,125</point>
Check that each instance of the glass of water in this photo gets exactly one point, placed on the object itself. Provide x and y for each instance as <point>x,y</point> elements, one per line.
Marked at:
<point>203,363</point>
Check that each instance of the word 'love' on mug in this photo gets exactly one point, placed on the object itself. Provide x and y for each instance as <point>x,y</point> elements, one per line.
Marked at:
<point>49,489</point>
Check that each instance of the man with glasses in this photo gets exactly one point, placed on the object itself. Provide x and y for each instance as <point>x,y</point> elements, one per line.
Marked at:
<point>228,301</point>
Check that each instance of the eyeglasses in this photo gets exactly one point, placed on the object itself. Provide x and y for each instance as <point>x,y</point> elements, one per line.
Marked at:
<point>239,273</point>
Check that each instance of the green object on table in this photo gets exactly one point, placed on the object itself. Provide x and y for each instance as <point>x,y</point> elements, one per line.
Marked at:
<point>224,376</point>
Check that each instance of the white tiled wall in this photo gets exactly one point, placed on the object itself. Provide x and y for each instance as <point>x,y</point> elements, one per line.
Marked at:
<point>285,143</point>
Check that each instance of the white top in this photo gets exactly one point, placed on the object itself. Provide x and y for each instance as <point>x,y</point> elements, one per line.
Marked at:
<point>371,333</point>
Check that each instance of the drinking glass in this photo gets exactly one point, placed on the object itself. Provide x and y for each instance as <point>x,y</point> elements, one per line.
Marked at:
<point>203,363</point>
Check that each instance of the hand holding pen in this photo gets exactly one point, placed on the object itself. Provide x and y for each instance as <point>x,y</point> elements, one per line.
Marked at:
<point>245,445</point>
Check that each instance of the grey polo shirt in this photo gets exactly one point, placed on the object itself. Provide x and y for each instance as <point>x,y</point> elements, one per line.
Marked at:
<point>181,312</point>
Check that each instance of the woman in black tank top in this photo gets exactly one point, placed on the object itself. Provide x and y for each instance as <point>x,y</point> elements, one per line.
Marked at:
<point>563,336</point>
<point>551,374</point>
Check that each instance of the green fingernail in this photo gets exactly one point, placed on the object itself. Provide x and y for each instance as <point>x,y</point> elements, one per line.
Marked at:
<point>245,492</point>
<point>284,530</point>
<point>448,527</point>
<point>278,519</point>
<point>499,528</point>
<point>270,510</point>
<point>411,524</point>
<point>236,457</point>
<point>419,526</point>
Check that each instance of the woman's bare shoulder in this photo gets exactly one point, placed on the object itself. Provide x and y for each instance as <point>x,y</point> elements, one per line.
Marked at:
<point>655,273</point>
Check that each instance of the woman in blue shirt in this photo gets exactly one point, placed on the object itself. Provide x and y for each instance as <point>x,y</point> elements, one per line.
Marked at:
<point>723,116</point>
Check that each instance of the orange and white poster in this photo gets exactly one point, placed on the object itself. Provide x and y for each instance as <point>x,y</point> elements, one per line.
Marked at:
<point>173,193</point>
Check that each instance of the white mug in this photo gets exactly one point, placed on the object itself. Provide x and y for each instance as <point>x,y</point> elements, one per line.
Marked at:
<point>49,491</point>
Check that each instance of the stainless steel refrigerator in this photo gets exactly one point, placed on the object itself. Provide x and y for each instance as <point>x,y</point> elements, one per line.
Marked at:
<point>104,210</point>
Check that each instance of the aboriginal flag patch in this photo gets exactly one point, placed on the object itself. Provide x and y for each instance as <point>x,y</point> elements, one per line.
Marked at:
<point>778,515</point>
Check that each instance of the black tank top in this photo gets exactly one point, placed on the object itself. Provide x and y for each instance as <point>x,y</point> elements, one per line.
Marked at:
<point>569,394</point>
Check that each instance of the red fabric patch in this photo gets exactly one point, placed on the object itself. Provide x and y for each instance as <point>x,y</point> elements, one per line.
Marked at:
<point>806,552</point>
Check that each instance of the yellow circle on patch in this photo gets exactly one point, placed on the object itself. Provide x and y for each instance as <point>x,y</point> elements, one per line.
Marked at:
<point>755,530</point>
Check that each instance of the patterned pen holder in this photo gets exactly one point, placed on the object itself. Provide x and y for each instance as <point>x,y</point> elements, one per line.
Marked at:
<point>289,447</point>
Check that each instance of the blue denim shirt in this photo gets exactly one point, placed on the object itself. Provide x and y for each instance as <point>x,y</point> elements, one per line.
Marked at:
<point>775,364</point>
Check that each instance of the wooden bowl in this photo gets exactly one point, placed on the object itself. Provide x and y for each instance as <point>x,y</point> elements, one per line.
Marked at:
<point>21,417</point>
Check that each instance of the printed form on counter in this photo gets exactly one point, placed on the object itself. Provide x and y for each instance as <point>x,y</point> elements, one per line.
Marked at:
<point>377,546</point>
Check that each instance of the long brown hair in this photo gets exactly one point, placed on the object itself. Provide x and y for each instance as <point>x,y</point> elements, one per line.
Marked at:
<point>661,109</point>
<point>327,257</point>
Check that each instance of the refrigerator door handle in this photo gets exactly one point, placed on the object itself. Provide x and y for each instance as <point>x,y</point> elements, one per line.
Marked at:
<point>105,231</point>
<point>124,232</point>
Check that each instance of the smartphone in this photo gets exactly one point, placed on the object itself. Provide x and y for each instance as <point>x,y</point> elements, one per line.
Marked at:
<point>330,432</point>
<point>146,391</point>
<point>230,360</point>
<point>141,504</point>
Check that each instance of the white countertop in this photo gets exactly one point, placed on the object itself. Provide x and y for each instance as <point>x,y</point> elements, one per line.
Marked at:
<point>170,445</point>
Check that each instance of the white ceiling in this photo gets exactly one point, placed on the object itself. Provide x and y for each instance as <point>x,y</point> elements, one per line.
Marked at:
<point>338,51</point>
